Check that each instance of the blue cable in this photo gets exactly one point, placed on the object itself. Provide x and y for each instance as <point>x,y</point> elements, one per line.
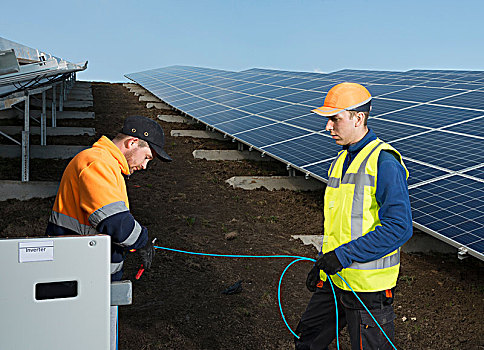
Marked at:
<point>336,309</point>
<point>297,258</point>
<point>279,296</point>
<point>236,256</point>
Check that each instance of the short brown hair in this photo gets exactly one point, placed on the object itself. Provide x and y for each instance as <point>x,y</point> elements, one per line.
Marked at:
<point>366,116</point>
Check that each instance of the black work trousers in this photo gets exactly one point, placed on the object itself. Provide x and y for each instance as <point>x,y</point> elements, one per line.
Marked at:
<point>317,328</point>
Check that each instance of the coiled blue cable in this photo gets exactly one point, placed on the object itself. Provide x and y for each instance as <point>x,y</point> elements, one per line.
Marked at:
<point>297,258</point>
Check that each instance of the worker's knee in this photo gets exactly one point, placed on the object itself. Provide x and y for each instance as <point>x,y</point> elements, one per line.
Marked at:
<point>371,335</point>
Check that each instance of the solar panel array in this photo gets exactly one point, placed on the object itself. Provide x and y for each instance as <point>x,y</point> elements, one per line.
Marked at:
<point>434,118</point>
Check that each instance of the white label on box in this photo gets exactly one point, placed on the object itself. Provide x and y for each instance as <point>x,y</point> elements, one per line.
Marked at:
<point>36,251</point>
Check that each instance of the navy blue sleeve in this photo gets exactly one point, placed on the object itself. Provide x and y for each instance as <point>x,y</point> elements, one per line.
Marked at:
<point>124,230</point>
<point>395,216</point>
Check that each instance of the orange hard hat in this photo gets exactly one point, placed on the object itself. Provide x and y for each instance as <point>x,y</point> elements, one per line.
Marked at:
<point>345,96</point>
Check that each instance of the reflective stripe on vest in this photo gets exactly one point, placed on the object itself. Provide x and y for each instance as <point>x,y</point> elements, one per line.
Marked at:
<point>116,267</point>
<point>71,224</point>
<point>351,212</point>
<point>106,211</point>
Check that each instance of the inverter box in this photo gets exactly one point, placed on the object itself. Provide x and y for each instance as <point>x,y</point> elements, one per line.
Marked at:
<point>55,293</point>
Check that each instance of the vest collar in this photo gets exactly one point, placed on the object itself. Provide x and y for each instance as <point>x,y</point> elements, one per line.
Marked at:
<point>108,145</point>
<point>356,147</point>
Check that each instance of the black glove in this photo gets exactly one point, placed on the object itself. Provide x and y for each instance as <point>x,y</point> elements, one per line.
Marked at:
<point>329,263</point>
<point>313,279</point>
<point>147,253</point>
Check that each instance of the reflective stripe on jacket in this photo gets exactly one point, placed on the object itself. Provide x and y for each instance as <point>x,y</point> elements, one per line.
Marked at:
<point>351,211</point>
<point>92,198</point>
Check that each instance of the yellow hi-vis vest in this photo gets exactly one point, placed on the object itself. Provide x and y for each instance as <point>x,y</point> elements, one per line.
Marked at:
<point>351,211</point>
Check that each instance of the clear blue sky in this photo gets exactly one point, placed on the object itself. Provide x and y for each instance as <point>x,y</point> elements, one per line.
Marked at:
<point>119,37</point>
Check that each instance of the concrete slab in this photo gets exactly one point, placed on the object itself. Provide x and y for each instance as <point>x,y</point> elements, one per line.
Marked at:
<point>228,155</point>
<point>149,98</point>
<point>64,114</point>
<point>424,243</point>
<point>158,105</point>
<point>59,131</point>
<point>67,103</point>
<point>27,190</point>
<point>274,183</point>
<point>199,134</point>
<point>138,90</point>
<point>175,119</point>
<point>314,240</point>
<point>42,152</point>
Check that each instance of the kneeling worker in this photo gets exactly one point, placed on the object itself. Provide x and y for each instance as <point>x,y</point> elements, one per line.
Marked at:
<point>92,196</point>
<point>367,218</point>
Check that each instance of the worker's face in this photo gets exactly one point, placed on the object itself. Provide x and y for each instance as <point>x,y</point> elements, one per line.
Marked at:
<point>344,128</point>
<point>137,157</point>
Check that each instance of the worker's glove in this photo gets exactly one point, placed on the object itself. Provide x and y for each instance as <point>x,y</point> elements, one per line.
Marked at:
<point>313,279</point>
<point>147,253</point>
<point>329,263</point>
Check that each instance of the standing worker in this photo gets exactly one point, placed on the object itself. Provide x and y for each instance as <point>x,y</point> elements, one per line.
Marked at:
<point>367,218</point>
<point>92,196</point>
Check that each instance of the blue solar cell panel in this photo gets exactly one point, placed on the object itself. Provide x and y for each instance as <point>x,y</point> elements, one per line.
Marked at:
<point>419,173</point>
<point>301,97</point>
<point>317,85</point>
<point>277,92</point>
<point>243,101</point>
<point>242,124</point>
<point>320,169</point>
<point>224,116</point>
<point>444,150</point>
<point>214,108</point>
<point>473,127</point>
<point>266,105</point>
<point>381,106</point>
<point>422,94</point>
<point>473,99</point>
<point>443,206</point>
<point>270,134</point>
<point>451,205</point>
<point>259,89</point>
<point>377,90</point>
<point>284,113</point>
<point>291,82</point>
<point>304,150</point>
<point>389,131</point>
<point>479,173</point>
<point>224,97</point>
<point>316,102</point>
<point>312,121</point>
<point>431,116</point>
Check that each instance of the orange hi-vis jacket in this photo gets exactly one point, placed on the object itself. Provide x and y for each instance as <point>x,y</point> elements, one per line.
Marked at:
<point>92,199</point>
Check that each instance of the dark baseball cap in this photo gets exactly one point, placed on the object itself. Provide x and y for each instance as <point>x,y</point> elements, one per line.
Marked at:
<point>148,130</point>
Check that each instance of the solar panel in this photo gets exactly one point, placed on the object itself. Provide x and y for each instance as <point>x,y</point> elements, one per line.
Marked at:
<point>434,118</point>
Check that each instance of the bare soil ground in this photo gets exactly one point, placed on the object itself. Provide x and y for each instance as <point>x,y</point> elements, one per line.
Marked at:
<point>187,205</point>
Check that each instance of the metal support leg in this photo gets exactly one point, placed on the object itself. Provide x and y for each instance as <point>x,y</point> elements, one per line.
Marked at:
<point>43,124</point>
<point>292,171</point>
<point>25,141</point>
<point>54,121</point>
<point>240,146</point>
<point>61,96</point>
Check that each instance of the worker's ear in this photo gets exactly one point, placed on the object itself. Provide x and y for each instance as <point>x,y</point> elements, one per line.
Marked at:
<point>131,142</point>
<point>359,119</point>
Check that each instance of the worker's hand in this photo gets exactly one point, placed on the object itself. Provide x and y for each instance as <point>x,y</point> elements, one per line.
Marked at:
<point>313,279</point>
<point>329,263</point>
<point>147,253</point>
